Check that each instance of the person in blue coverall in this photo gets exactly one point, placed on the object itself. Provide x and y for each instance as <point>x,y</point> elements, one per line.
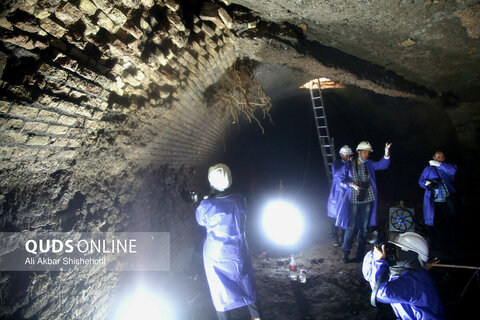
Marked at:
<point>226,256</point>
<point>404,283</point>
<point>438,181</point>
<point>359,175</point>
<point>337,199</point>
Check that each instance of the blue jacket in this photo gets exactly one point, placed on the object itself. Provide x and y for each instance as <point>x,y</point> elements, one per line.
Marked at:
<point>412,294</point>
<point>446,172</point>
<point>346,178</point>
<point>337,206</point>
<point>225,253</point>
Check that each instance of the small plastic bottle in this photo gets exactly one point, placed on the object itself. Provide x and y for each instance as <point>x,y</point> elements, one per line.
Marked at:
<point>302,277</point>
<point>293,264</point>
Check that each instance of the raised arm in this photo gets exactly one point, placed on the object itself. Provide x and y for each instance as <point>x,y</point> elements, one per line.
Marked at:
<point>383,163</point>
<point>448,168</point>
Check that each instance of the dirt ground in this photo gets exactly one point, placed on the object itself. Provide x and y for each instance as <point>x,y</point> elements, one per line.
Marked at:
<point>333,290</point>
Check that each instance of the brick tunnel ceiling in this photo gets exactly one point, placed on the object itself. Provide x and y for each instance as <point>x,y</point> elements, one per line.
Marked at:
<point>403,49</point>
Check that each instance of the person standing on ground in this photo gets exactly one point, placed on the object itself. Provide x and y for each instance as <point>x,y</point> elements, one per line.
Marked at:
<point>226,257</point>
<point>337,206</point>
<point>362,195</point>
<point>438,201</point>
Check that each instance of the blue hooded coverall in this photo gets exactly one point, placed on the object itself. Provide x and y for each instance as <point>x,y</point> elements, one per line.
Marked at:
<point>412,294</point>
<point>346,177</point>
<point>337,206</point>
<point>445,172</point>
<point>226,257</point>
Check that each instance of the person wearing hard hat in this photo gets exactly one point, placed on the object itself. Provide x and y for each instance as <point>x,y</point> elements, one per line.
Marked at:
<point>337,206</point>
<point>359,175</point>
<point>226,257</point>
<point>438,181</point>
<point>400,278</point>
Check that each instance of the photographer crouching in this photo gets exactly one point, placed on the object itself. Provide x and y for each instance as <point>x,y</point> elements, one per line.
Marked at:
<point>401,279</point>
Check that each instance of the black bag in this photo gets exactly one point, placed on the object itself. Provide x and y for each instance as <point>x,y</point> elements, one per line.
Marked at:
<point>362,193</point>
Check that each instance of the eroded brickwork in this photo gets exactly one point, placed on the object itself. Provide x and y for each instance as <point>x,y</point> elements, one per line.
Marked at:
<point>94,63</point>
<point>103,126</point>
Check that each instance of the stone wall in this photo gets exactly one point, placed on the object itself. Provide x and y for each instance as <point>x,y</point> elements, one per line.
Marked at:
<point>103,126</point>
<point>74,70</point>
<point>144,199</point>
<point>465,117</point>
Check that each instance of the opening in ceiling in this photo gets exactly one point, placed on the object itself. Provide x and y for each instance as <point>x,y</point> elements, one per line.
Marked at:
<point>322,83</point>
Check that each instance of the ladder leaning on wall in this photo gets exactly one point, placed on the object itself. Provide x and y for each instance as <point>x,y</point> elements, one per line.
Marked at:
<point>326,142</point>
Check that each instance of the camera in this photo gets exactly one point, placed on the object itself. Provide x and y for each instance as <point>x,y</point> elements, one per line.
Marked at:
<point>189,196</point>
<point>434,184</point>
<point>362,193</point>
<point>380,239</point>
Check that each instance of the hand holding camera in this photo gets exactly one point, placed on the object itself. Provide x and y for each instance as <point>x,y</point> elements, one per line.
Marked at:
<point>432,184</point>
<point>379,253</point>
<point>383,250</point>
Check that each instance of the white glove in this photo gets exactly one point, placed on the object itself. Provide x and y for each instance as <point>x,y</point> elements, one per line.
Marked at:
<point>354,186</point>
<point>434,163</point>
<point>387,150</point>
<point>427,183</point>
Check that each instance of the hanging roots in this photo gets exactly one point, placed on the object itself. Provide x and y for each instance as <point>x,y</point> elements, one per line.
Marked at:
<point>237,93</point>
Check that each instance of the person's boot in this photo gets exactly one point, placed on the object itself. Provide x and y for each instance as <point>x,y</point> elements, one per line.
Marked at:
<point>345,258</point>
<point>335,243</point>
<point>358,258</point>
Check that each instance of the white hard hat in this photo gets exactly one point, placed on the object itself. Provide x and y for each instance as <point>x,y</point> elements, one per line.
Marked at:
<point>220,176</point>
<point>346,150</point>
<point>364,145</point>
<point>414,242</point>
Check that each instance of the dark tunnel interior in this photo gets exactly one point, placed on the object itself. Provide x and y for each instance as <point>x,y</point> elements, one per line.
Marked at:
<point>112,113</point>
<point>289,152</point>
<point>284,162</point>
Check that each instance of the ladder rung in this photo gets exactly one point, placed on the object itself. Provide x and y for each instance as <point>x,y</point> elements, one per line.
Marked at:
<point>326,143</point>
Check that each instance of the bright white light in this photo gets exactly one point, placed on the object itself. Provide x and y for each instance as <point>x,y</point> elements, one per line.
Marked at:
<point>144,304</point>
<point>282,222</point>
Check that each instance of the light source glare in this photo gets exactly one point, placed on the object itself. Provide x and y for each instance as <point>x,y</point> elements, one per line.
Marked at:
<point>323,83</point>
<point>144,304</point>
<point>282,222</point>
